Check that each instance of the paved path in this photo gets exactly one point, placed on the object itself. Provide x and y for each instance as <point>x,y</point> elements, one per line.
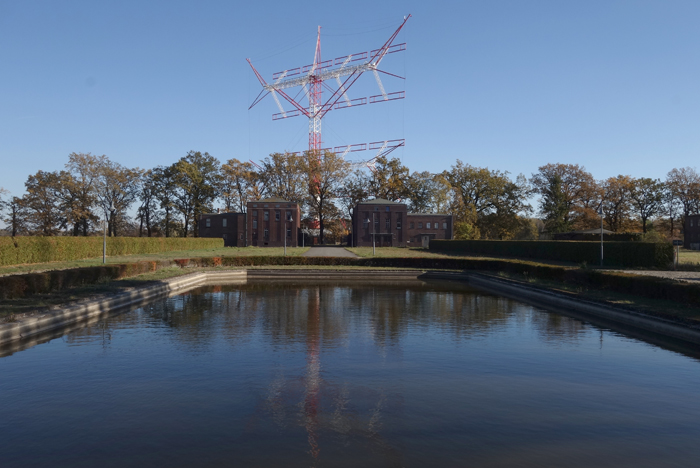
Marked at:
<point>689,276</point>
<point>328,252</point>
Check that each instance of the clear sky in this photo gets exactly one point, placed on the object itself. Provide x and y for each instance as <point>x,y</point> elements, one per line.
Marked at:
<point>511,85</point>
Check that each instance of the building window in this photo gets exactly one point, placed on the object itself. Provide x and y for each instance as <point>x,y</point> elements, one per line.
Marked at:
<point>266,216</point>
<point>255,213</point>
<point>420,225</point>
<point>277,215</point>
<point>289,233</point>
<point>240,236</point>
<point>444,225</point>
<point>208,222</point>
<point>427,225</point>
<point>412,225</point>
<point>223,222</point>
<point>289,216</point>
<point>388,208</point>
<point>224,236</point>
<point>255,224</point>
<point>266,233</point>
<point>398,224</point>
<point>387,224</point>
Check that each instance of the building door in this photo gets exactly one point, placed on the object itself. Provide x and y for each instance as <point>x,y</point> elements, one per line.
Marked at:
<point>425,240</point>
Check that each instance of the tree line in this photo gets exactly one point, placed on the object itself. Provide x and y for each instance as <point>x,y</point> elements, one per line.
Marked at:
<point>486,204</point>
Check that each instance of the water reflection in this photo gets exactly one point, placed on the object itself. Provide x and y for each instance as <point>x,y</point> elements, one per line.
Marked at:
<point>419,374</point>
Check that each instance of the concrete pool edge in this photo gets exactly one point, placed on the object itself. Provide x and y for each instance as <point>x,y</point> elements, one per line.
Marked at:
<point>552,299</point>
<point>87,310</point>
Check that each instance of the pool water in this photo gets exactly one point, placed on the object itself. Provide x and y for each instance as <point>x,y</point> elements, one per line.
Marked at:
<point>407,374</point>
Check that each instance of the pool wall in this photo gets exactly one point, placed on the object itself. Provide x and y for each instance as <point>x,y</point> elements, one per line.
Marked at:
<point>89,310</point>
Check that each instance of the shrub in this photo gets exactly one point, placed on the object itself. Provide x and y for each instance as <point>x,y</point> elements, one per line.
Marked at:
<point>30,249</point>
<point>623,254</point>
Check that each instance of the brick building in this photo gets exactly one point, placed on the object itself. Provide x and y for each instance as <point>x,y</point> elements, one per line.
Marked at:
<point>263,224</point>
<point>229,226</point>
<point>270,219</point>
<point>691,232</point>
<point>390,225</point>
<point>422,227</point>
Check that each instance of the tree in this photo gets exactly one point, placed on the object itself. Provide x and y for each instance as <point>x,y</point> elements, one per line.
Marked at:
<point>16,217</point>
<point>508,202</point>
<point>147,213</point>
<point>325,177</point>
<point>197,178</point>
<point>163,179</point>
<point>388,179</point>
<point>78,190</point>
<point>553,206</point>
<point>647,196</point>
<point>118,187</point>
<point>239,185</point>
<point>684,184</point>
<point>617,202</point>
<point>283,175</point>
<point>426,192</point>
<point>3,204</point>
<point>45,212</point>
<point>673,209</point>
<point>487,200</point>
<point>578,195</point>
<point>355,190</point>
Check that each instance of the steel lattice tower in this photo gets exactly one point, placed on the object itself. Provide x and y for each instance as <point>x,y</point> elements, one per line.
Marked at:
<point>312,79</point>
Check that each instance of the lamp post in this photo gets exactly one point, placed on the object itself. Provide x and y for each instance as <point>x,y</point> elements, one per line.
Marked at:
<point>600,212</point>
<point>104,239</point>
<point>285,237</point>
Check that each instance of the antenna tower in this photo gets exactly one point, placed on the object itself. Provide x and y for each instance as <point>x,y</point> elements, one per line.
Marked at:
<point>312,78</point>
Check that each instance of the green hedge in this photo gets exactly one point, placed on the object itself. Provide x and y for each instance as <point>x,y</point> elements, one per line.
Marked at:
<point>623,254</point>
<point>30,249</point>
<point>18,286</point>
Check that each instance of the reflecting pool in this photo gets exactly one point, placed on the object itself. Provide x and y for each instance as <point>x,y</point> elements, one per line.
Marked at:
<point>407,374</point>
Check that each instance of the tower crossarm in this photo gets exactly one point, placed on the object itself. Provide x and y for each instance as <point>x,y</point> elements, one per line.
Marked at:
<point>322,76</point>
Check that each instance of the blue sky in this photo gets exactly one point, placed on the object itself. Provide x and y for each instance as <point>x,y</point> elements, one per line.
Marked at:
<point>510,85</point>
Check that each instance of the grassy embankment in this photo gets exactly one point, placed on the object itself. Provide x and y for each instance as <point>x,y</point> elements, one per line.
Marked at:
<point>219,252</point>
<point>44,301</point>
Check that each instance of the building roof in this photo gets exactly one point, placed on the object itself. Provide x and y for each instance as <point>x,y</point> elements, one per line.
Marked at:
<point>380,201</point>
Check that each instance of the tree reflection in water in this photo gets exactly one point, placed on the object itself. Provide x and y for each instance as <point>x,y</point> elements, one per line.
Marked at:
<point>321,317</point>
<point>381,374</point>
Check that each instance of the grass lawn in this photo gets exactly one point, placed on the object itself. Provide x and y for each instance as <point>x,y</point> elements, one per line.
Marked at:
<point>220,252</point>
<point>395,252</point>
<point>413,252</point>
<point>689,256</point>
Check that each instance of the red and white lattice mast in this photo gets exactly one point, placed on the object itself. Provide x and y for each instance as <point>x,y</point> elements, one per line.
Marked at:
<point>345,71</point>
